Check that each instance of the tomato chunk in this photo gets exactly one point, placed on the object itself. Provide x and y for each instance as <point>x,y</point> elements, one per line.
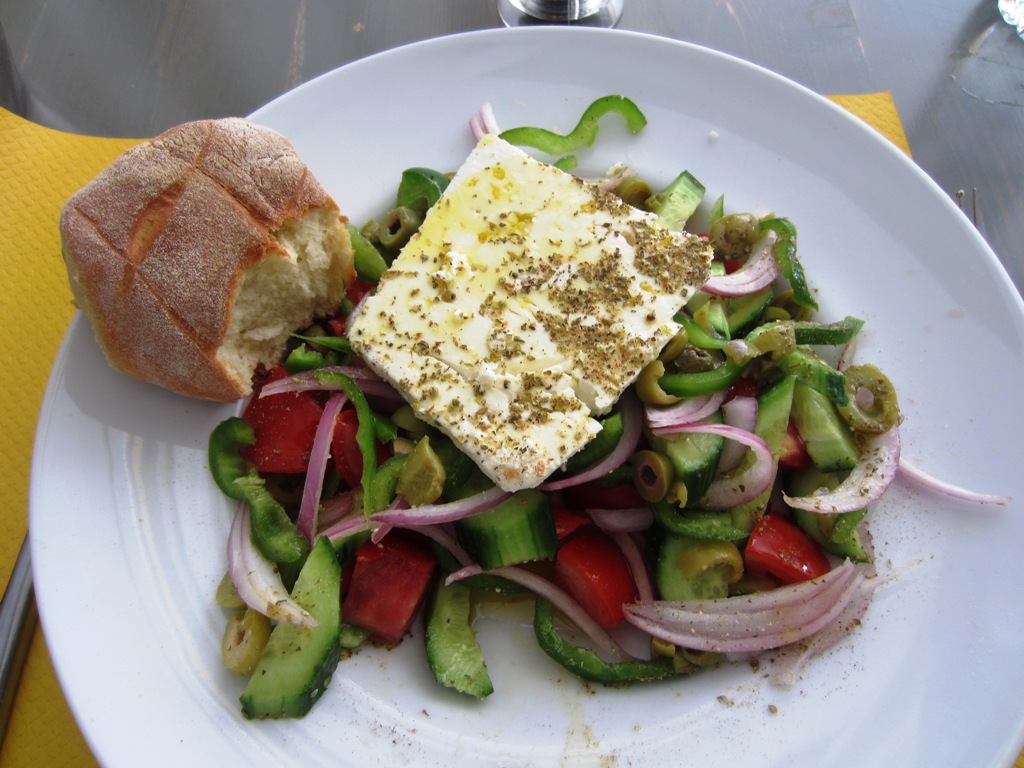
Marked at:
<point>567,521</point>
<point>388,583</point>
<point>348,459</point>
<point>588,496</point>
<point>778,548</point>
<point>285,426</point>
<point>590,566</point>
<point>794,452</point>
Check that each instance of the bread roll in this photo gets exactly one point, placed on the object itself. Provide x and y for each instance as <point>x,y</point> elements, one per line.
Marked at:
<point>196,254</point>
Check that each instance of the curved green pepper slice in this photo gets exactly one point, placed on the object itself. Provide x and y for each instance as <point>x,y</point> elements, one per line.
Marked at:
<point>584,663</point>
<point>273,532</point>
<point>702,382</point>
<point>584,133</point>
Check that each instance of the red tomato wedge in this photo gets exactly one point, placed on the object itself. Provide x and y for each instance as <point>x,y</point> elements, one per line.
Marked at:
<point>285,426</point>
<point>588,496</point>
<point>794,452</point>
<point>778,548</point>
<point>388,583</point>
<point>348,459</point>
<point>591,568</point>
<point>567,521</point>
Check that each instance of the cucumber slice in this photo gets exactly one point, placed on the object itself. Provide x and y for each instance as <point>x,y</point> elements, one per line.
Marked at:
<point>744,312</point>
<point>841,534</point>
<point>829,441</point>
<point>675,204</point>
<point>453,652</point>
<point>811,370</point>
<point>773,409</point>
<point>694,457</point>
<point>298,662</point>
<point>695,569</point>
<point>518,530</point>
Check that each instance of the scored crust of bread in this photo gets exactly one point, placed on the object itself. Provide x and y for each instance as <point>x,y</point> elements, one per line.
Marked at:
<point>197,253</point>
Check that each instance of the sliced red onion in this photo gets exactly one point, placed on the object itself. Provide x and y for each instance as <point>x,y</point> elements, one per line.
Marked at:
<point>663,420</point>
<point>307,380</point>
<point>347,526</point>
<point>256,579</point>
<point>924,480</point>
<point>740,412</point>
<point>787,665</point>
<point>760,270</point>
<point>446,539</point>
<point>383,529</point>
<point>637,567</point>
<point>339,506</point>
<point>313,486</point>
<point>622,520</point>
<point>728,491</point>
<point>751,623</point>
<point>432,514</point>
<point>484,122</point>
<point>632,427</point>
<point>560,600</point>
<point>866,483</point>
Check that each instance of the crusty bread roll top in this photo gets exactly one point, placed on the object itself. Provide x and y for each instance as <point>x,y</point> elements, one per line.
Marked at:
<point>196,254</point>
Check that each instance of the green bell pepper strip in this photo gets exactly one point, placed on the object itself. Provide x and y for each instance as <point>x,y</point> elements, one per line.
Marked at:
<point>698,337</point>
<point>784,252</point>
<point>584,663</point>
<point>303,358</point>
<point>702,382</point>
<point>273,532</point>
<point>224,455</point>
<point>382,491</point>
<point>366,259</point>
<point>698,524</point>
<point>365,434</point>
<point>584,133</point>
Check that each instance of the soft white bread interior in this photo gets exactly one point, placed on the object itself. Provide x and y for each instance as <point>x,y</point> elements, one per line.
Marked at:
<point>196,254</point>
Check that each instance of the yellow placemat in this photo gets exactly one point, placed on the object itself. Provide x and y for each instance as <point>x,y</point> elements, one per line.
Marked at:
<point>40,169</point>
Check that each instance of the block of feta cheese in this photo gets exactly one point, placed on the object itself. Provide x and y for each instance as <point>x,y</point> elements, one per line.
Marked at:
<point>525,305</point>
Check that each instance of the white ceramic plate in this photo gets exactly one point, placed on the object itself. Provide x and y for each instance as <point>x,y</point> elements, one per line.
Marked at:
<point>128,532</point>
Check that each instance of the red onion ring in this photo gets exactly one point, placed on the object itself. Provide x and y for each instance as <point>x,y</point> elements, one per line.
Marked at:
<point>728,491</point>
<point>559,598</point>
<point>791,660</point>
<point>866,483</point>
<point>631,551</point>
<point>256,579</point>
<point>760,270</point>
<point>307,380</point>
<point>483,122</point>
<point>664,420</point>
<point>432,514</point>
<point>632,427</point>
<point>740,412</point>
<point>922,479</point>
<point>630,520</point>
<point>314,484</point>
<point>751,623</point>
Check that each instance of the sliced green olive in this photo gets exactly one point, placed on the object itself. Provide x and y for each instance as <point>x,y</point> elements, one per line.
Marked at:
<point>421,480</point>
<point>653,474</point>
<point>405,418</point>
<point>731,236</point>
<point>871,405</point>
<point>633,191</point>
<point>675,345</point>
<point>245,637</point>
<point>649,390</point>
<point>227,595</point>
<point>400,224</point>
<point>722,558</point>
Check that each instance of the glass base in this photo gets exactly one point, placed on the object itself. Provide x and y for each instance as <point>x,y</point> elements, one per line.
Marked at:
<point>513,15</point>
